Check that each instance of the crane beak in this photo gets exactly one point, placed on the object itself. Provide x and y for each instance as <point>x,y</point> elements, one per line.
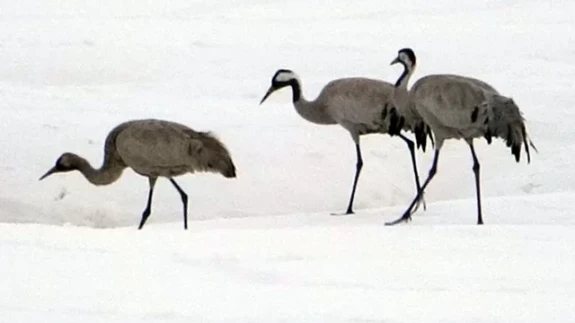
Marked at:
<point>270,91</point>
<point>395,61</point>
<point>48,173</point>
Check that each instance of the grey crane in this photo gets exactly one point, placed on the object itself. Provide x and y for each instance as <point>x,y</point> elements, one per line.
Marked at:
<point>360,105</point>
<point>458,107</point>
<point>152,148</point>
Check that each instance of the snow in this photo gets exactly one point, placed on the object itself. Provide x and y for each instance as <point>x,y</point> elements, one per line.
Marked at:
<point>263,247</point>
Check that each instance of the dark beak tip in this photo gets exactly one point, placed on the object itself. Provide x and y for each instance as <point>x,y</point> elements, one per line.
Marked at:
<point>48,173</point>
<point>268,93</point>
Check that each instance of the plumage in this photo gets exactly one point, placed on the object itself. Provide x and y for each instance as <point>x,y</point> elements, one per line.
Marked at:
<point>152,148</point>
<point>459,107</point>
<point>360,105</point>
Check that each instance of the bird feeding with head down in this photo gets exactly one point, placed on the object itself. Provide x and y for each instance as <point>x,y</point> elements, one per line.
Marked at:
<point>153,148</point>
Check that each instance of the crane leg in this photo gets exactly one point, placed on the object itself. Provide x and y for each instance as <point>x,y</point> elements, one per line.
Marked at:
<point>407,214</point>
<point>358,167</point>
<point>184,201</point>
<point>411,147</point>
<point>148,210</point>
<point>477,185</point>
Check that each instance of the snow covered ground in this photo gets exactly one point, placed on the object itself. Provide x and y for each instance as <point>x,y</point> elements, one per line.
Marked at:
<point>262,247</point>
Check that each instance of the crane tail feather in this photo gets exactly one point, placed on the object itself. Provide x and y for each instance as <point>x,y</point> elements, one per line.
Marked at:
<point>421,131</point>
<point>502,118</point>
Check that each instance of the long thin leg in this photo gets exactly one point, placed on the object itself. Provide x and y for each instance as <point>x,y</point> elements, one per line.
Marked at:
<point>147,211</point>
<point>411,147</point>
<point>184,201</point>
<point>477,186</point>
<point>432,171</point>
<point>358,167</point>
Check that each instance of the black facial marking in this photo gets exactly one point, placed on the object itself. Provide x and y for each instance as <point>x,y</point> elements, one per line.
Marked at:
<point>405,67</point>
<point>280,71</point>
<point>409,52</point>
<point>281,84</point>
<point>296,90</point>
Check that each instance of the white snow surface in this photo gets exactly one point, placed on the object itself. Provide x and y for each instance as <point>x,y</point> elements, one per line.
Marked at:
<point>263,247</point>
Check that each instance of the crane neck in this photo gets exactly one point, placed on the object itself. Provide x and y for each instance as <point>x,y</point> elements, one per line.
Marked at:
<point>296,91</point>
<point>405,76</point>
<point>312,111</point>
<point>107,174</point>
<point>400,93</point>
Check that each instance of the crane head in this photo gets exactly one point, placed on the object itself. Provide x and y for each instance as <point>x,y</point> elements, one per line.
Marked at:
<point>406,57</point>
<point>281,79</point>
<point>65,163</point>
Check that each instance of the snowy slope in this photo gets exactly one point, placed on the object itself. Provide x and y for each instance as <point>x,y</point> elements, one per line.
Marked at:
<point>298,268</point>
<point>262,247</point>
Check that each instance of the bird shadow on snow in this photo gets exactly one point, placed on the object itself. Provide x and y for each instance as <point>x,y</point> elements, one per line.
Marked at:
<point>17,212</point>
<point>540,209</point>
<point>528,209</point>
